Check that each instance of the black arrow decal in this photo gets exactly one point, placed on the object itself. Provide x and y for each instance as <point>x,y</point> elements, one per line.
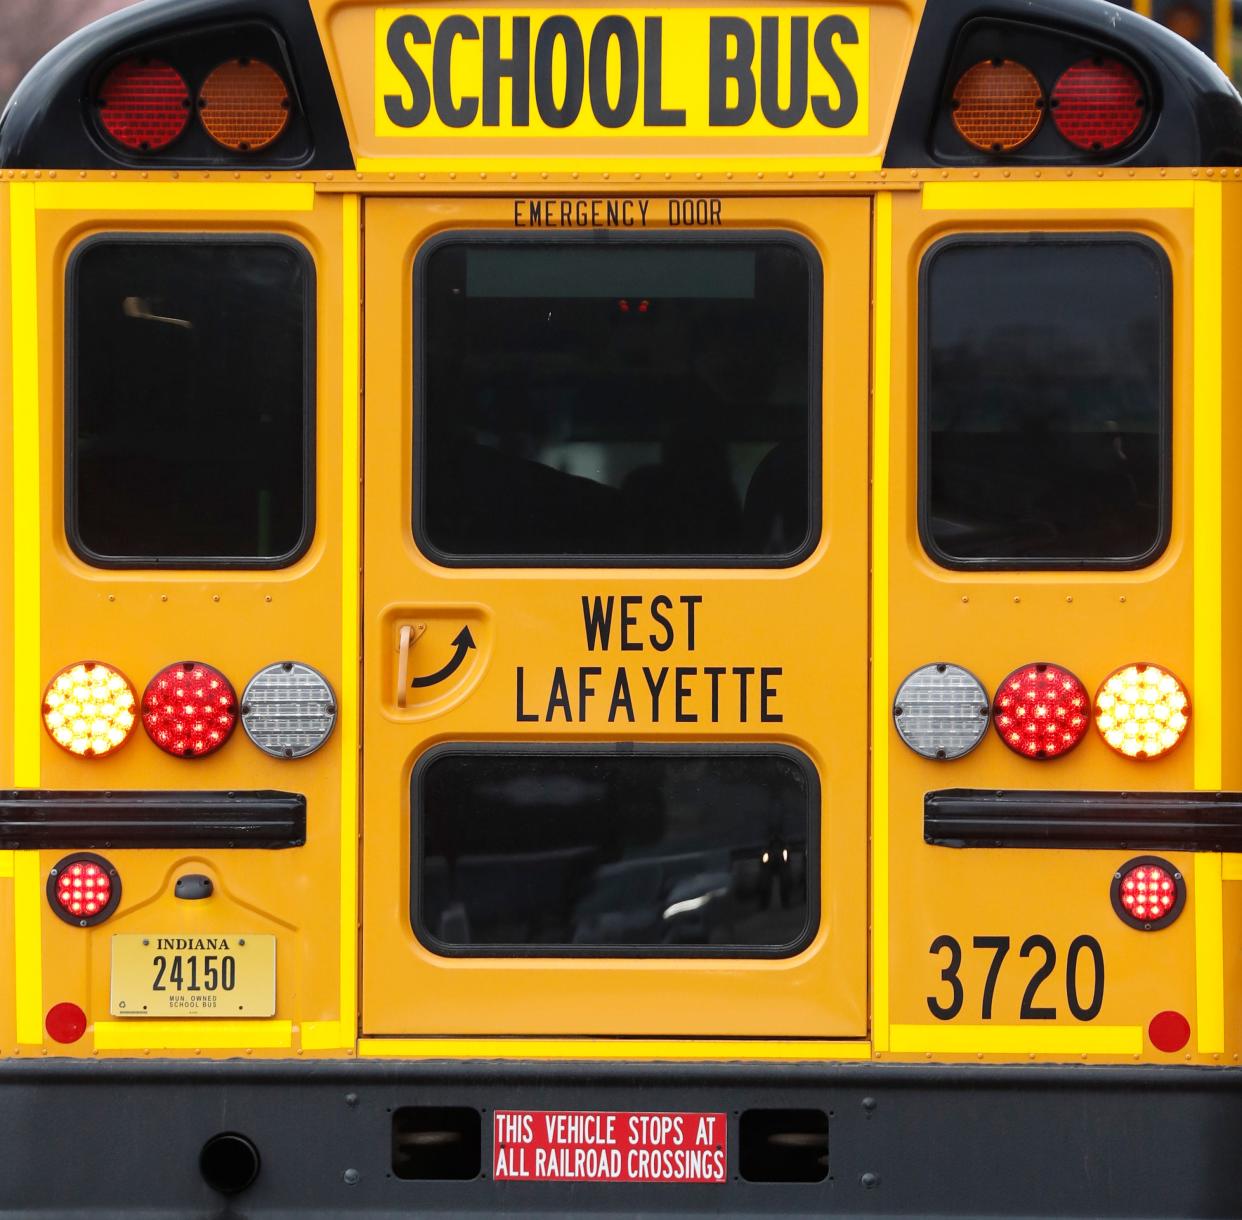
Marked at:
<point>463,643</point>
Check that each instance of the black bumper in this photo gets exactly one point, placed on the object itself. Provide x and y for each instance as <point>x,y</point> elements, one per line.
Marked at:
<point>124,1138</point>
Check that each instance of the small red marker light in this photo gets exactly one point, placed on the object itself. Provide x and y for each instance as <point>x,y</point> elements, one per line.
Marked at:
<point>1169,1031</point>
<point>189,709</point>
<point>65,1023</point>
<point>84,889</point>
<point>1041,711</point>
<point>1148,893</point>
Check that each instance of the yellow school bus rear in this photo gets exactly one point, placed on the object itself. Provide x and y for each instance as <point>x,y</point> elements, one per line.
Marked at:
<point>625,610</point>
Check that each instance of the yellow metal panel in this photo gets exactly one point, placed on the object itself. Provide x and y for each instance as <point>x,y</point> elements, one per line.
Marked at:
<point>139,1035</point>
<point>1231,867</point>
<point>142,619</point>
<point>29,901</point>
<point>1208,626</point>
<point>351,626</point>
<point>586,1048</point>
<point>881,381</point>
<point>1043,196</point>
<point>533,619</point>
<point>1019,1039</point>
<point>121,197</point>
<point>992,621</point>
<point>28,898</point>
<point>1208,701</point>
<point>27,492</point>
<point>1209,953</point>
<point>6,863</point>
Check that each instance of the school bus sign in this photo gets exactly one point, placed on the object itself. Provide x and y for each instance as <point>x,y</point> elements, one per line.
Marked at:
<point>594,72</point>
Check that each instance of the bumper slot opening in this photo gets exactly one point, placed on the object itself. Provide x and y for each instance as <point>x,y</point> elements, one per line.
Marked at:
<point>437,1143</point>
<point>783,1145</point>
<point>229,1163</point>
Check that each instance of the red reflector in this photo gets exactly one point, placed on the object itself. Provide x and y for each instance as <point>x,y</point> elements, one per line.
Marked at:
<point>1148,893</point>
<point>1041,711</point>
<point>1098,104</point>
<point>84,889</point>
<point>144,104</point>
<point>189,709</point>
<point>1169,1031</point>
<point>65,1023</point>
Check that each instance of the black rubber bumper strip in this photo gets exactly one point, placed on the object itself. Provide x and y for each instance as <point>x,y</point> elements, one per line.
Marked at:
<point>1173,821</point>
<point>31,819</point>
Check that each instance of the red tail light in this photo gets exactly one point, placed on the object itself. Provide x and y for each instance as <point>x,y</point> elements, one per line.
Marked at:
<point>144,105</point>
<point>189,709</point>
<point>1148,893</point>
<point>997,105</point>
<point>84,889</point>
<point>1041,711</point>
<point>1098,104</point>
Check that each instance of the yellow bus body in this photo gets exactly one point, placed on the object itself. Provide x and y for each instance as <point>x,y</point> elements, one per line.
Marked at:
<point>843,627</point>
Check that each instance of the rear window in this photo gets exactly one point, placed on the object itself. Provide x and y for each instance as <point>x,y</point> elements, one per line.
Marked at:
<point>190,401</point>
<point>605,851</point>
<point>617,401</point>
<point>1045,401</point>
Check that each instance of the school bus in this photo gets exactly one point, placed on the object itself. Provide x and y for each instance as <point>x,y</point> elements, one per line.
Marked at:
<point>621,609</point>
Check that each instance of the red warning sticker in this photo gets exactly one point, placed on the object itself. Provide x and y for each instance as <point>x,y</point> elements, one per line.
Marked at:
<point>603,1146</point>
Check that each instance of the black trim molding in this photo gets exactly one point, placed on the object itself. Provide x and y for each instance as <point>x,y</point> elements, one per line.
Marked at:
<point>1126,821</point>
<point>32,819</point>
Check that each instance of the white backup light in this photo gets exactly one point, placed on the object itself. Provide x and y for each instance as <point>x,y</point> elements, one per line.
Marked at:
<point>288,710</point>
<point>941,711</point>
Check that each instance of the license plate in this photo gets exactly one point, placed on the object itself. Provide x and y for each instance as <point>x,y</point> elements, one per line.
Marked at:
<point>194,976</point>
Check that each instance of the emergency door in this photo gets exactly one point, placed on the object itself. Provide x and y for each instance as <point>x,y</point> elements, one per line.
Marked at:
<point>615,596</point>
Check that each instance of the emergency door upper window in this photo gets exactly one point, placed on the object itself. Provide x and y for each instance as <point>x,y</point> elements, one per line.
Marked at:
<point>1045,401</point>
<point>190,401</point>
<point>621,400</point>
<point>689,851</point>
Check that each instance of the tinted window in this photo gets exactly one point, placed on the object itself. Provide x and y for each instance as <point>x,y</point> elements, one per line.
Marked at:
<point>189,413</point>
<point>620,399</point>
<point>599,851</point>
<point>1045,401</point>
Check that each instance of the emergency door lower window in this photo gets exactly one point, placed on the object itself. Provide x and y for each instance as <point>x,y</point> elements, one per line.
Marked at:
<point>656,851</point>
<point>624,400</point>
<point>1045,401</point>
<point>190,402</point>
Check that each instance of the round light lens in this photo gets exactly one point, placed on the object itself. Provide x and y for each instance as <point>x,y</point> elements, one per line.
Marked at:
<point>941,711</point>
<point>997,105</point>
<point>189,709</point>
<point>244,105</point>
<point>288,710</point>
<point>84,889</point>
<point>1141,711</point>
<point>1041,711</point>
<point>1098,104</point>
<point>1148,893</point>
<point>89,709</point>
<point>144,104</point>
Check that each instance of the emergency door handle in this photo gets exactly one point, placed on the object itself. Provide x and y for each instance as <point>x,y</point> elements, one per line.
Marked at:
<point>407,638</point>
